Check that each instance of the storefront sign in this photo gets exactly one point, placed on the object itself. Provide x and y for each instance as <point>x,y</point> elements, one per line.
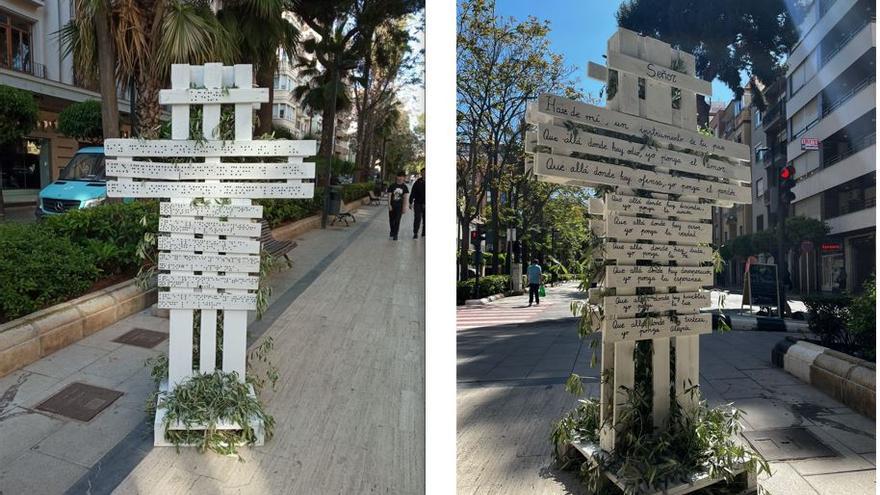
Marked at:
<point>811,144</point>
<point>830,247</point>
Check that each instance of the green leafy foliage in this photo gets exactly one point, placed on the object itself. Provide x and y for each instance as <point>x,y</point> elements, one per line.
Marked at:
<point>281,211</point>
<point>39,269</point>
<point>18,113</point>
<point>862,319</point>
<point>82,121</point>
<point>828,315</point>
<point>489,285</point>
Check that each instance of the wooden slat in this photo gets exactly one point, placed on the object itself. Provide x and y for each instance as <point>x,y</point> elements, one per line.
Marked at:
<point>624,374</point>
<point>208,301</point>
<point>210,210</point>
<point>148,189</point>
<point>208,262</point>
<point>680,277</point>
<point>625,228</point>
<point>606,393</point>
<point>233,246</point>
<point>168,148</point>
<point>687,369</point>
<point>596,71</point>
<point>200,170</point>
<point>633,329</point>
<point>628,253</point>
<point>591,173</point>
<point>551,106</point>
<point>563,141</point>
<point>208,282</point>
<point>660,377</point>
<point>662,208</point>
<point>656,73</point>
<point>680,302</point>
<point>206,96</point>
<point>184,225</point>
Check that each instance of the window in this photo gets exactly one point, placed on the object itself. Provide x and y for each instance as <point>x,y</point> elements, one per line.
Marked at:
<point>737,107</point>
<point>804,118</point>
<point>760,223</point>
<point>642,88</point>
<point>676,98</point>
<point>760,187</point>
<point>15,43</point>
<point>757,118</point>
<point>275,110</point>
<point>281,110</point>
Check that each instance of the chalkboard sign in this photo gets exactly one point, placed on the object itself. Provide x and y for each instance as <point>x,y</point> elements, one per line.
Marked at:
<point>763,287</point>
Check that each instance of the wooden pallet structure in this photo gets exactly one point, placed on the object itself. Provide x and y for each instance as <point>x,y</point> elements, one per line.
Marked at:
<point>209,248</point>
<point>665,177</point>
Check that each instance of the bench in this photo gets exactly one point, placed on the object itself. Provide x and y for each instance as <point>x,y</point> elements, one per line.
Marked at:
<point>344,216</point>
<point>274,246</point>
<point>375,200</point>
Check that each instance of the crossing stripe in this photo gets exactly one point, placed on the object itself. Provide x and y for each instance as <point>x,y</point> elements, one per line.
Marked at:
<point>490,316</point>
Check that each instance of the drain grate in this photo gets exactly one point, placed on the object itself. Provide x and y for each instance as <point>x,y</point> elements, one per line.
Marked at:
<point>80,401</point>
<point>786,444</point>
<point>141,337</point>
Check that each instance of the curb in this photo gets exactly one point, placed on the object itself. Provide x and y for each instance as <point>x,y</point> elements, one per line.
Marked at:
<point>485,300</point>
<point>43,332</point>
<point>847,379</point>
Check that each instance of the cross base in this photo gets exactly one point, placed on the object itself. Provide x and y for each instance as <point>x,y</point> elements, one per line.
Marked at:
<point>611,484</point>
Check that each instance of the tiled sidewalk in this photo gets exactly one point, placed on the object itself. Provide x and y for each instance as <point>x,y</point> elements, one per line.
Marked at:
<point>347,321</point>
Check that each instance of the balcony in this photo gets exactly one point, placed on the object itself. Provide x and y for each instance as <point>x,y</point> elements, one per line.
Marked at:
<point>855,147</point>
<point>773,113</point>
<point>849,168</point>
<point>844,114</point>
<point>829,53</point>
<point>36,70</point>
<point>840,100</point>
<point>855,220</point>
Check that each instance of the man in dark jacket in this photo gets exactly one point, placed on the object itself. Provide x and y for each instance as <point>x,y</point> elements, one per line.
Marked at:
<point>417,202</point>
<point>397,202</point>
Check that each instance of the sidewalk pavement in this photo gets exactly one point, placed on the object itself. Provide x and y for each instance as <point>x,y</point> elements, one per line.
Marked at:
<point>511,388</point>
<point>347,321</point>
<point>19,214</point>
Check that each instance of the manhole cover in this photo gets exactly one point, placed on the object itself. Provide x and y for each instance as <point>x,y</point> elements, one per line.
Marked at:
<point>785,444</point>
<point>141,337</point>
<point>80,401</point>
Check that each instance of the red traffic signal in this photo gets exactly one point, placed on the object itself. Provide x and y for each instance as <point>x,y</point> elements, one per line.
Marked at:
<point>787,172</point>
<point>474,235</point>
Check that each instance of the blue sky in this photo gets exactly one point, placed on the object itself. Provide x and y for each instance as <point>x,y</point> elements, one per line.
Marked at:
<point>579,30</point>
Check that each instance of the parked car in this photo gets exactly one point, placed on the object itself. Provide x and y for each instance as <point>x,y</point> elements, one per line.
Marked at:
<point>81,184</point>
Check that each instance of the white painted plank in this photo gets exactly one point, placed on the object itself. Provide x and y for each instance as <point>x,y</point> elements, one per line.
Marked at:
<point>658,102</point>
<point>626,228</point>
<point>624,374</point>
<point>680,277</point>
<point>655,207</point>
<point>590,173</point>
<point>180,337</point>
<point>598,228</point>
<point>680,302</point>
<point>208,262</point>
<point>210,210</point>
<point>628,253</point>
<point>596,71</point>
<point>244,113</point>
<point>563,141</point>
<point>687,359</point>
<point>198,170</point>
<point>184,225</point>
<point>203,96</point>
<point>207,330</point>
<point>654,72</point>
<point>168,148</point>
<point>633,329</point>
<point>232,246</point>
<point>550,106</point>
<point>207,301</point>
<point>208,282</point>
<point>606,392</point>
<point>660,378</point>
<point>254,190</point>
<point>627,97</point>
<point>688,110</point>
<point>235,342</point>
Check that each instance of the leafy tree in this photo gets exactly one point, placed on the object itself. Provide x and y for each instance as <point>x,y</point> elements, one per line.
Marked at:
<point>82,121</point>
<point>726,37</point>
<point>18,117</point>
<point>502,64</point>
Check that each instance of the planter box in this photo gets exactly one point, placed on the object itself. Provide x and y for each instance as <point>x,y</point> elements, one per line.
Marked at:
<point>612,484</point>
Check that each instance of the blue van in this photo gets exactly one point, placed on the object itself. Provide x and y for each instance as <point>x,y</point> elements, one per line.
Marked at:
<point>81,184</point>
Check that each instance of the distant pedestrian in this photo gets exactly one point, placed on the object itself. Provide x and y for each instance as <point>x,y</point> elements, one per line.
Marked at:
<point>417,202</point>
<point>535,276</point>
<point>398,194</point>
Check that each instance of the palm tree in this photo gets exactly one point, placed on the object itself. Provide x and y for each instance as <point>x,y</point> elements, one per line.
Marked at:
<point>147,36</point>
<point>259,29</point>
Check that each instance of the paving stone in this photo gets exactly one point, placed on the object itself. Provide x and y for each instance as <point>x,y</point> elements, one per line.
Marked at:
<point>21,429</point>
<point>35,473</point>
<point>66,361</point>
<point>738,388</point>
<point>854,430</point>
<point>852,483</point>
<point>772,377</point>
<point>765,414</point>
<point>784,481</point>
<point>25,387</point>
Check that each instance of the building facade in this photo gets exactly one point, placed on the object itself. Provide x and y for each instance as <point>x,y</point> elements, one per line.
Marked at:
<point>31,59</point>
<point>830,100</point>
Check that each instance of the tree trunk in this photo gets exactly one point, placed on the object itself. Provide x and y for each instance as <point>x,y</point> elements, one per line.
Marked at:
<point>361,162</point>
<point>148,108</point>
<point>464,255</point>
<point>328,116</point>
<point>266,79</point>
<point>107,72</point>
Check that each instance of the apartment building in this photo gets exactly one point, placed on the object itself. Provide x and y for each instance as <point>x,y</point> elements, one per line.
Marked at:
<point>830,100</point>
<point>733,123</point>
<point>31,59</point>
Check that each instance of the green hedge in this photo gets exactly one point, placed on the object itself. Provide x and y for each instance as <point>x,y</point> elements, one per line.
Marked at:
<point>827,317</point>
<point>281,211</point>
<point>62,257</point>
<point>489,285</point>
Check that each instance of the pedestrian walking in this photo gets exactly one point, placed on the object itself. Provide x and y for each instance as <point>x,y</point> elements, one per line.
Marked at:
<point>417,203</point>
<point>535,276</point>
<point>398,194</point>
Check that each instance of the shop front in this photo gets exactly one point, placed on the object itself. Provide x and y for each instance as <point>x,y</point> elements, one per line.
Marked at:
<point>845,262</point>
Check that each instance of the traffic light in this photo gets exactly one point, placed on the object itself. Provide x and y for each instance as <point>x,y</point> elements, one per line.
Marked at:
<point>478,235</point>
<point>786,183</point>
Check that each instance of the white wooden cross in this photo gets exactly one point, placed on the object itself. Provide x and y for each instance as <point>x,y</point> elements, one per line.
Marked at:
<point>581,144</point>
<point>209,250</point>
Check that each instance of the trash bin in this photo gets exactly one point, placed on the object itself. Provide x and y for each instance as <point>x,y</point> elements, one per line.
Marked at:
<point>335,200</point>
